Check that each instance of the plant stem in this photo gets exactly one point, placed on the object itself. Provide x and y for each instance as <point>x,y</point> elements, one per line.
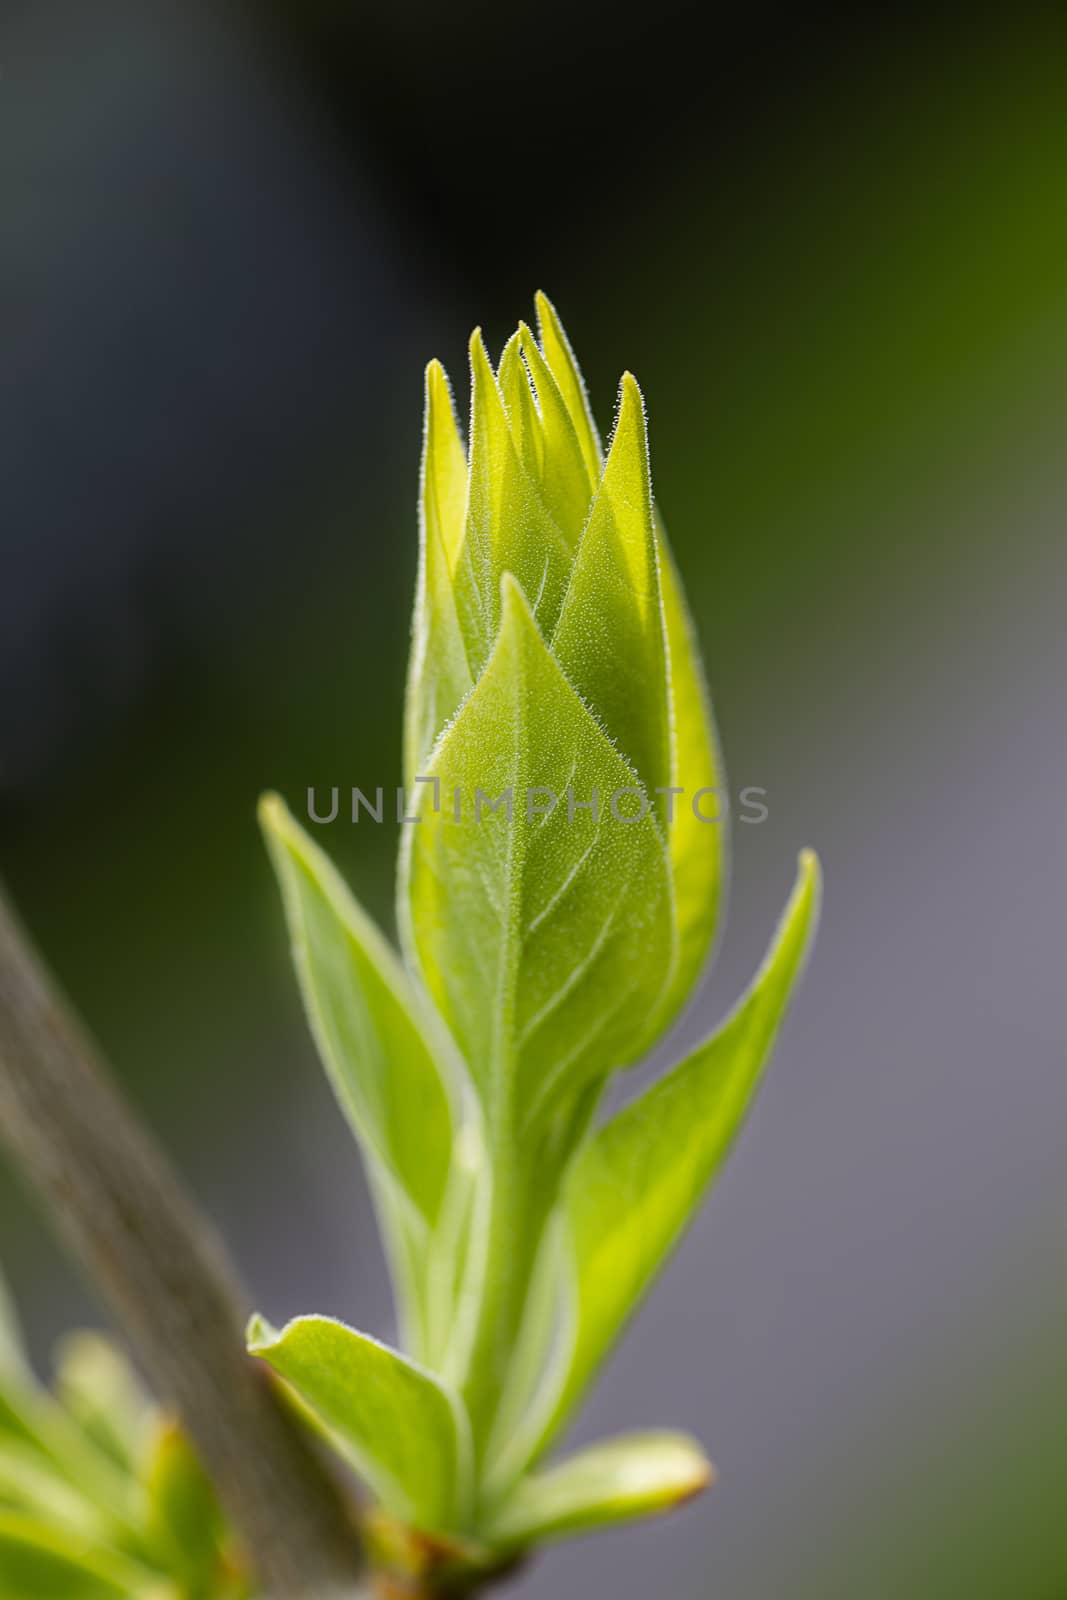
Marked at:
<point>527,1175</point>
<point>523,1189</point>
<point>505,1276</point>
<point>142,1241</point>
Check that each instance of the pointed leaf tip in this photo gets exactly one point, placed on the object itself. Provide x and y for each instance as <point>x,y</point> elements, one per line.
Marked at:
<point>513,598</point>
<point>560,357</point>
<point>260,1335</point>
<point>567,481</point>
<point>438,671</point>
<point>610,638</point>
<point>438,388</point>
<point>271,811</point>
<point>631,407</point>
<point>482,374</point>
<point>810,868</point>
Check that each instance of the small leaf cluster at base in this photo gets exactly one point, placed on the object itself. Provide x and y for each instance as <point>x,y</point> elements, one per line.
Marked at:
<point>101,1496</point>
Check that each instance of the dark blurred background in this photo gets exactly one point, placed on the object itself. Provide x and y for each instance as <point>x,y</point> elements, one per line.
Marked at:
<point>835,254</point>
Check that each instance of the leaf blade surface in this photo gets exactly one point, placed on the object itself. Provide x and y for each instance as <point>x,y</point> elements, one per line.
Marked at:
<point>398,1425</point>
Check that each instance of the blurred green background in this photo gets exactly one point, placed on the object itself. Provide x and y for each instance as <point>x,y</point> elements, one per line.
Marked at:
<point>834,251</point>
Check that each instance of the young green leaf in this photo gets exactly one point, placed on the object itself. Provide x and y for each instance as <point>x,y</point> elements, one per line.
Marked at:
<point>566,482</point>
<point>440,674</point>
<point>399,1426</point>
<point>609,640</point>
<point>637,1184</point>
<point>560,358</point>
<point>509,528</point>
<point>545,939</point>
<point>365,1015</point>
<point>559,892</point>
<point>636,1475</point>
<point>523,415</point>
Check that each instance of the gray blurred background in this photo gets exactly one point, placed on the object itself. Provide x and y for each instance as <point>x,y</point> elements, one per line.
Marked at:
<point>835,254</point>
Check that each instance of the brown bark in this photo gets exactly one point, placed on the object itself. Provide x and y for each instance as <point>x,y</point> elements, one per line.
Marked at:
<point>140,1238</point>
